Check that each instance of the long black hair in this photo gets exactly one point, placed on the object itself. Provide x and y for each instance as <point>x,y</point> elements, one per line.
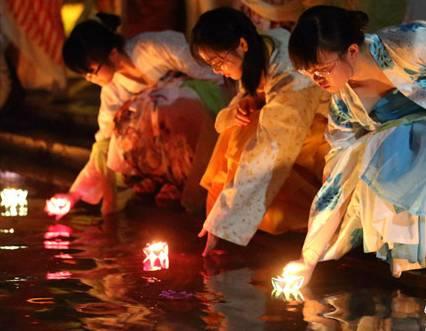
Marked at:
<point>92,42</point>
<point>325,28</point>
<point>221,30</point>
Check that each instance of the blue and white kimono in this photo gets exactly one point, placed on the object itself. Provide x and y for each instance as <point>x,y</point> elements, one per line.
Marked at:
<point>375,187</point>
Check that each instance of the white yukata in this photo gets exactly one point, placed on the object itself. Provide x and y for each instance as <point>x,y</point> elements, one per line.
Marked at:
<point>156,55</point>
<point>375,191</point>
<point>267,156</point>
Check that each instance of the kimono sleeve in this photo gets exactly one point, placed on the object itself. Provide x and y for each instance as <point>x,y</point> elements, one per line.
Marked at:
<point>265,163</point>
<point>341,131</point>
<point>110,103</point>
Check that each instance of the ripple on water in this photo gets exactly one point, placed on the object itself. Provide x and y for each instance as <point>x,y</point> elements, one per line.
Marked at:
<point>99,308</point>
<point>42,301</point>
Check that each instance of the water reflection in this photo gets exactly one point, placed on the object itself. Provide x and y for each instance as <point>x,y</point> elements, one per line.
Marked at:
<point>57,230</point>
<point>235,304</point>
<point>113,288</point>
<point>86,274</point>
<point>13,247</point>
<point>11,230</point>
<point>58,275</point>
<point>365,310</point>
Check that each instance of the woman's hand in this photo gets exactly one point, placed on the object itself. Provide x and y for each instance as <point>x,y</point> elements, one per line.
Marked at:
<point>246,106</point>
<point>211,242</point>
<point>299,268</point>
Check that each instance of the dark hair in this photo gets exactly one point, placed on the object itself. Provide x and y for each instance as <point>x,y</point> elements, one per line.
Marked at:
<point>221,30</point>
<point>91,42</point>
<point>326,28</point>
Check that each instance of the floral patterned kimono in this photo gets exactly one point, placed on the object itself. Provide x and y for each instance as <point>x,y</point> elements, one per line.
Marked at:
<point>375,188</point>
<point>161,57</point>
<point>162,141</point>
<point>266,174</point>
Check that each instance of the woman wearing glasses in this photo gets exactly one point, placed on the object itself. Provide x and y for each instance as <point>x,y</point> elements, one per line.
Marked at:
<point>374,193</point>
<point>163,133</point>
<point>265,167</point>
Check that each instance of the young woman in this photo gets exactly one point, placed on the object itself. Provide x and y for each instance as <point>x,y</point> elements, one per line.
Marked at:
<point>155,70</point>
<point>264,169</point>
<point>374,192</point>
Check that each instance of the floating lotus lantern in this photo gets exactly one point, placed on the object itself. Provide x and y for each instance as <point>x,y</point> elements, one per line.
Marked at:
<point>156,256</point>
<point>57,206</point>
<point>288,285</point>
<point>14,202</point>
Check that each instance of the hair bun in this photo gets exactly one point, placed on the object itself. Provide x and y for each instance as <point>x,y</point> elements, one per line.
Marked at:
<point>359,19</point>
<point>110,21</point>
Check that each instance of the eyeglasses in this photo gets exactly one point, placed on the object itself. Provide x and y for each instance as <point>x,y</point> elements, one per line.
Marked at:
<point>94,72</point>
<point>323,72</point>
<point>219,61</point>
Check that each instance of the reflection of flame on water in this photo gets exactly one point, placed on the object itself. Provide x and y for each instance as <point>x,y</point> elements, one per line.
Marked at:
<point>57,206</point>
<point>54,234</point>
<point>175,295</point>
<point>64,256</point>
<point>156,256</point>
<point>100,308</point>
<point>58,230</point>
<point>151,280</point>
<point>288,285</point>
<point>56,244</point>
<point>41,301</point>
<point>12,247</point>
<point>14,202</point>
<point>58,275</point>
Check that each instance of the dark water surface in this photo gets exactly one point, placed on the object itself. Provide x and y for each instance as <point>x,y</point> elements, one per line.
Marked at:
<point>86,273</point>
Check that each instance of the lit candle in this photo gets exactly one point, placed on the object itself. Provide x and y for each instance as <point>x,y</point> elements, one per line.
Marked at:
<point>156,256</point>
<point>57,206</point>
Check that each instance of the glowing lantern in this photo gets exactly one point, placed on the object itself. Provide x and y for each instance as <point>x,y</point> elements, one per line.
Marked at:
<point>156,256</point>
<point>14,202</point>
<point>57,206</point>
<point>288,285</point>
